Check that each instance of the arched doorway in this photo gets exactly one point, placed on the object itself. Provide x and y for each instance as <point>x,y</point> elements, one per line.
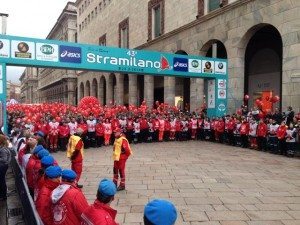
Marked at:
<point>81,91</point>
<point>182,89</point>
<point>102,91</point>
<point>87,88</point>
<point>140,89</point>
<point>159,89</point>
<point>126,90</point>
<point>95,88</point>
<point>263,65</point>
<point>112,86</point>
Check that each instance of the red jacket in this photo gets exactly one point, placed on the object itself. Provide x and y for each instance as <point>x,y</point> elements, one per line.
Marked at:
<point>231,125</point>
<point>99,129</point>
<point>32,168</point>
<point>129,124</point>
<point>244,129</point>
<point>143,124</point>
<point>68,204</point>
<point>220,127</point>
<point>21,153</point>
<point>126,149</point>
<point>115,124</point>
<point>262,130</point>
<point>178,125</point>
<point>83,126</point>
<point>43,202</point>
<point>281,132</point>
<point>167,125</point>
<point>63,131</point>
<point>99,214</point>
<point>41,127</point>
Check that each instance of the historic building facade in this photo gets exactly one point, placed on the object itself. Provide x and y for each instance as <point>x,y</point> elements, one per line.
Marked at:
<point>60,85</point>
<point>259,38</point>
<point>29,83</point>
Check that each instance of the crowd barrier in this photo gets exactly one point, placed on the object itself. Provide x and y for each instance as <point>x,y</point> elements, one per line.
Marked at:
<point>30,214</point>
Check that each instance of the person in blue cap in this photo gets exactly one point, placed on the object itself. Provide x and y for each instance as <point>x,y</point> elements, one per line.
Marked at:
<point>46,161</point>
<point>100,213</point>
<point>160,212</point>
<point>43,202</point>
<point>30,170</point>
<point>68,201</point>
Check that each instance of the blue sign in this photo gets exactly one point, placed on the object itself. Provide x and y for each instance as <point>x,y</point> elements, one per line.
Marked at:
<point>69,54</point>
<point>180,64</point>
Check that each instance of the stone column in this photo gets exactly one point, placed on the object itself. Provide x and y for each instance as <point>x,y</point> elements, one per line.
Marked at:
<point>119,100</point>
<point>132,89</point>
<point>109,90</point>
<point>196,93</point>
<point>169,90</point>
<point>149,90</point>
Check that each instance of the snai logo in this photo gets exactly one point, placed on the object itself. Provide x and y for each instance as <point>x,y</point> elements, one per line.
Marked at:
<point>69,54</point>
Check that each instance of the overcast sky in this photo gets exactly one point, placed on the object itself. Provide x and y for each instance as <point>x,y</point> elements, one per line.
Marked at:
<point>30,18</point>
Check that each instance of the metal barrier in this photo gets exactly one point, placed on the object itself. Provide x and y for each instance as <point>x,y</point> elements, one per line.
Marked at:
<point>30,214</point>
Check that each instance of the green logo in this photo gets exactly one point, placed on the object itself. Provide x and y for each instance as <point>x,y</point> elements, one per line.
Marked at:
<point>195,64</point>
<point>47,49</point>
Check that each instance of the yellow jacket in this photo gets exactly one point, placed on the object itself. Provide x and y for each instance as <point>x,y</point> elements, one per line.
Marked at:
<point>73,141</point>
<point>118,154</point>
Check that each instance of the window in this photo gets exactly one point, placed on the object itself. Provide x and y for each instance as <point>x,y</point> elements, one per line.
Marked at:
<point>213,4</point>
<point>85,5</point>
<point>157,21</point>
<point>89,18</point>
<point>76,38</point>
<point>102,40</point>
<point>92,14</point>
<point>79,27</point>
<point>96,11</point>
<point>85,22</point>
<point>82,25</point>
<point>124,33</point>
<point>100,6</point>
<point>79,10</point>
<point>156,17</point>
<point>104,3</point>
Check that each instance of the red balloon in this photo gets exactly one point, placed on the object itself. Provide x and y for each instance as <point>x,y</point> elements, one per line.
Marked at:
<point>257,102</point>
<point>246,97</point>
<point>276,98</point>
<point>239,112</point>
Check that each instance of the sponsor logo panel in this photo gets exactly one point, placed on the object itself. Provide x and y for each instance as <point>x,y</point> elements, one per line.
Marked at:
<point>211,94</point>
<point>69,54</point>
<point>222,93</point>
<point>195,65</point>
<point>221,83</point>
<point>22,49</point>
<point>47,52</point>
<point>220,67</point>
<point>4,48</point>
<point>208,66</point>
<point>180,64</point>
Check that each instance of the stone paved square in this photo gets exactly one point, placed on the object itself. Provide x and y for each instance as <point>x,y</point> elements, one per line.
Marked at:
<point>209,183</point>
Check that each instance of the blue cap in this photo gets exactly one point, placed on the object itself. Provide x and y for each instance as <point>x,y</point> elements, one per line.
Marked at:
<point>68,175</point>
<point>53,171</point>
<point>40,133</point>
<point>107,188</point>
<point>160,212</point>
<point>37,149</point>
<point>43,153</point>
<point>47,161</point>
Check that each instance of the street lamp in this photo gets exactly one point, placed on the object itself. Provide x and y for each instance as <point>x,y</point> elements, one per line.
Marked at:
<point>4,22</point>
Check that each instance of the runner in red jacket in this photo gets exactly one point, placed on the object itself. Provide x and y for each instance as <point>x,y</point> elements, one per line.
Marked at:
<point>68,201</point>
<point>63,135</point>
<point>244,131</point>
<point>262,130</point>
<point>281,133</point>
<point>43,202</point>
<point>99,134</point>
<point>100,213</point>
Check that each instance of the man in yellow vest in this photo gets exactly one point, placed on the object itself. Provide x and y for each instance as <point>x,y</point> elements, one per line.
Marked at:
<point>121,152</point>
<point>75,153</point>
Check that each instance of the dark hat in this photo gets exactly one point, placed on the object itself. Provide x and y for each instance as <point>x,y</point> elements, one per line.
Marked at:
<point>43,153</point>
<point>53,171</point>
<point>160,212</point>
<point>47,160</point>
<point>107,188</point>
<point>68,175</point>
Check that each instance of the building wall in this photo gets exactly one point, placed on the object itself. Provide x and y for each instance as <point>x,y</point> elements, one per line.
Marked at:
<point>59,85</point>
<point>29,84</point>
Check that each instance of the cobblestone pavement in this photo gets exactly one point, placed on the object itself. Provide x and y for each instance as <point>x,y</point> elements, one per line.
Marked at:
<point>210,184</point>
